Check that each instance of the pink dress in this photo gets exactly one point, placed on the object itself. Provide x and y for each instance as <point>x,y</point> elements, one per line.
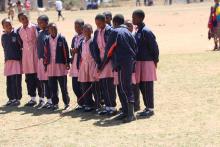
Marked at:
<point>29,53</point>
<point>42,75</point>
<point>107,71</point>
<point>12,67</point>
<point>145,71</point>
<point>54,69</point>
<point>73,70</point>
<point>87,68</point>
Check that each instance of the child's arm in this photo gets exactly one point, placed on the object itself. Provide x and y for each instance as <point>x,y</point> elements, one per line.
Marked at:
<point>95,49</point>
<point>66,54</point>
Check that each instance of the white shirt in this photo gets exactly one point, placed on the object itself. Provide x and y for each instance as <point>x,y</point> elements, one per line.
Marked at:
<point>59,5</point>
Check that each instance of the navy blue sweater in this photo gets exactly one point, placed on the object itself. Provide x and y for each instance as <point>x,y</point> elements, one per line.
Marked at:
<point>41,42</point>
<point>95,48</point>
<point>62,51</point>
<point>147,45</point>
<point>12,45</point>
<point>126,48</point>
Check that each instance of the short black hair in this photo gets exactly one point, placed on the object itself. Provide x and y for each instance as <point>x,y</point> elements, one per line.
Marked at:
<point>119,19</point>
<point>80,22</point>
<point>88,26</point>
<point>100,17</point>
<point>22,14</point>
<point>52,25</point>
<point>5,20</point>
<point>107,14</point>
<point>139,13</point>
<point>44,18</point>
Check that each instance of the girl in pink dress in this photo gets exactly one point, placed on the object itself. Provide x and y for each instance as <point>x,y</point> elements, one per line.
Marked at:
<point>147,59</point>
<point>56,61</point>
<point>28,33</point>
<point>12,46</point>
<point>87,69</point>
<point>76,41</point>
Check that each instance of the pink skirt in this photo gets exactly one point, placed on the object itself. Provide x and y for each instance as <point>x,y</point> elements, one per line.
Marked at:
<point>56,70</point>
<point>29,61</point>
<point>87,71</point>
<point>41,73</point>
<point>73,70</point>
<point>12,67</point>
<point>145,71</point>
<point>116,82</point>
<point>107,72</point>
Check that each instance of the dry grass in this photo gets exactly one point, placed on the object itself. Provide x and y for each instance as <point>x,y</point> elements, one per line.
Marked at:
<point>187,93</point>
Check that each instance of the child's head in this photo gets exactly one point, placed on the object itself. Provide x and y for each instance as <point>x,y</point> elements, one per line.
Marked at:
<point>130,26</point>
<point>138,17</point>
<point>216,1</point>
<point>23,18</point>
<point>100,21</point>
<point>18,2</point>
<point>108,17</point>
<point>79,23</point>
<point>118,20</point>
<point>6,24</point>
<point>43,21</point>
<point>87,31</point>
<point>52,27</point>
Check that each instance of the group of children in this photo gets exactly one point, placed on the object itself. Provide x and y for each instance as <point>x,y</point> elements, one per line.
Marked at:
<point>113,59</point>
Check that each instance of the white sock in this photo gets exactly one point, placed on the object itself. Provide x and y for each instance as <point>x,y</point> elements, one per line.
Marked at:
<point>33,98</point>
<point>151,109</point>
<point>49,101</point>
<point>107,108</point>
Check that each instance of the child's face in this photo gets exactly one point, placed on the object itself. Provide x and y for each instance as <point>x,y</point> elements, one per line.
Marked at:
<point>100,24</point>
<point>78,28</point>
<point>136,20</point>
<point>42,24</point>
<point>24,20</point>
<point>53,31</point>
<point>7,26</point>
<point>130,27</point>
<point>87,32</point>
<point>108,19</point>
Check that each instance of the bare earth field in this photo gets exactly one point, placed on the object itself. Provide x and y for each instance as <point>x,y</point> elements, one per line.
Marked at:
<point>187,94</point>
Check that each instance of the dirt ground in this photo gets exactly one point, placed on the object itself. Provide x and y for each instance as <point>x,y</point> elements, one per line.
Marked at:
<point>186,94</point>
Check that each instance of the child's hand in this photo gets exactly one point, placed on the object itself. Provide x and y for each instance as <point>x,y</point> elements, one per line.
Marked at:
<point>155,64</point>
<point>74,51</point>
<point>67,66</point>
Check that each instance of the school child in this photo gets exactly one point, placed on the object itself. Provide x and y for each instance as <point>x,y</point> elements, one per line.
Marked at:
<point>214,25</point>
<point>28,34</point>
<point>59,7</point>
<point>138,3</point>
<point>27,6</point>
<point>135,85</point>
<point>106,76</point>
<point>147,59</point>
<point>19,6</point>
<point>121,49</point>
<point>11,11</point>
<point>56,61</point>
<point>41,74</point>
<point>108,17</point>
<point>76,42</point>
<point>12,46</point>
<point>87,70</point>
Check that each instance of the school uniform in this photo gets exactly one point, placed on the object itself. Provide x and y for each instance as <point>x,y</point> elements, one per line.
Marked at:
<point>123,58</point>
<point>12,46</point>
<point>87,73</point>
<point>74,70</point>
<point>147,57</point>
<point>41,73</point>
<point>29,57</point>
<point>106,77</point>
<point>56,57</point>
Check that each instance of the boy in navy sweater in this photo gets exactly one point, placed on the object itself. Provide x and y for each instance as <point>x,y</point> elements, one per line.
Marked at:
<point>12,46</point>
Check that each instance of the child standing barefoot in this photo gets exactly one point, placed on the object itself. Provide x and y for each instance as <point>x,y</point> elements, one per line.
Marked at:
<point>56,63</point>
<point>13,54</point>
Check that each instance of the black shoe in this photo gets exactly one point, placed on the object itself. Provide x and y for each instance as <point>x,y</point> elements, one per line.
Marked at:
<point>103,112</point>
<point>79,108</point>
<point>146,113</point>
<point>10,102</point>
<point>41,104</point>
<point>112,112</point>
<point>121,116</point>
<point>55,107</point>
<point>31,103</point>
<point>130,117</point>
<point>48,106</point>
<point>137,109</point>
<point>88,109</point>
<point>16,103</point>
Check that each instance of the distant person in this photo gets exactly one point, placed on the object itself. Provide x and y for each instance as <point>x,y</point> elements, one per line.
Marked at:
<point>27,6</point>
<point>108,17</point>
<point>11,10</point>
<point>149,3</point>
<point>59,7</point>
<point>19,6</point>
<point>214,25</point>
<point>138,3</point>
